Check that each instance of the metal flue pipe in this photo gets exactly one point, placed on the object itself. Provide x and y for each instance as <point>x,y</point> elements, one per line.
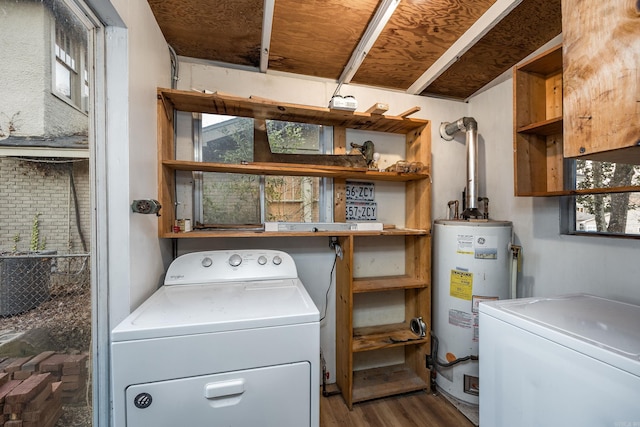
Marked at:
<point>470,127</point>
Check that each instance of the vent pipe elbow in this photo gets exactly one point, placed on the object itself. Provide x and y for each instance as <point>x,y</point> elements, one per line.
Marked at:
<point>464,124</point>
<point>470,127</point>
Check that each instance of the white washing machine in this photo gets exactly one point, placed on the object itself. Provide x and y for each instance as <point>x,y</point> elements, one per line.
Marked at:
<point>571,360</point>
<point>232,339</point>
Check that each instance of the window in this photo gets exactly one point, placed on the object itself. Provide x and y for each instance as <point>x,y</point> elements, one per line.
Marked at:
<point>48,284</point>
<point>71,77</point>
<point>248,200</point>
<point>613,208</point>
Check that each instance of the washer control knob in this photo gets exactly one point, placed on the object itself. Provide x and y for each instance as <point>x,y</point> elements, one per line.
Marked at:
<point>235,260</point>
<point>262,260</point>
<point>277,260</point>
<point>206,262</point>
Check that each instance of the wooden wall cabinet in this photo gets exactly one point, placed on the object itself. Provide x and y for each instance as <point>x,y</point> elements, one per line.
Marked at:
<point>602,80</point>
<point>415,283</point>
<point>537,122</point>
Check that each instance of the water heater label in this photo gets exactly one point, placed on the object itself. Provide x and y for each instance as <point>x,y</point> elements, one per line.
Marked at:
<point>461,284</point>
<point>486,247</point>
<point>460,318</point>
<point>465,244</point>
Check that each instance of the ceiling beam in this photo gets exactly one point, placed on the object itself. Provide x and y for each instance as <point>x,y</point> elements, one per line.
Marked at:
<point>371,34</point>
<point>267,25</point>
<point>482,26</point>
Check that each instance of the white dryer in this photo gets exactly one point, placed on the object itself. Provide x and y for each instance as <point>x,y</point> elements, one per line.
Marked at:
<point>231,339</point>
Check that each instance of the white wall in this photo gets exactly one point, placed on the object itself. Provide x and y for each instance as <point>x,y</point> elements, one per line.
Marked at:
<point>137,64</point>
<point>552,263</point>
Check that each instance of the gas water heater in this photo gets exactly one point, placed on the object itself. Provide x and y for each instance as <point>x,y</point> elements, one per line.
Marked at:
<point>471,263</point>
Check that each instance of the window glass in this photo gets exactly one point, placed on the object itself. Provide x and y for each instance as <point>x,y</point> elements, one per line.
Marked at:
<point>608,212</point>
<point>238,199</point>
<point>63,80</point>
<point>46,218</point>
<point>70,74</point>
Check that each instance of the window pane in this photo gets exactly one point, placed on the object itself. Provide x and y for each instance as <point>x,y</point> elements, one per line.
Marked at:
<point>617,213</point>
<point>229,198</point>
<point>249,199</point>
<point>293,198</point>
<point>63,80</point>
<point>71,47</point>
<point>45,218</point>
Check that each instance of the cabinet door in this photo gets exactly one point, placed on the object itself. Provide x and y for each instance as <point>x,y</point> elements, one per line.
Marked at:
<point>601,57</point>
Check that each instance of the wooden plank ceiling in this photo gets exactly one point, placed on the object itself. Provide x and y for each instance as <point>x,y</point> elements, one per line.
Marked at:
<point>318,37</point>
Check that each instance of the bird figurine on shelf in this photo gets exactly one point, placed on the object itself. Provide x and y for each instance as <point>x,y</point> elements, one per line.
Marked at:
<point>367,149</point>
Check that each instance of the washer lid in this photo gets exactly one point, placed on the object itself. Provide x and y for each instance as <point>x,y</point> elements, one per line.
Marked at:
<point>217,307</point>
<point>601,328</point>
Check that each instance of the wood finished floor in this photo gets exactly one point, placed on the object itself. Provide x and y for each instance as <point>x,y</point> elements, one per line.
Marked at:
<point>411,410</point>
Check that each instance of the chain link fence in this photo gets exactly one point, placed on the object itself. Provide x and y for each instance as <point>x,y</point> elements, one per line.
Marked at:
<point>28,280</point>
<point>45,308</point>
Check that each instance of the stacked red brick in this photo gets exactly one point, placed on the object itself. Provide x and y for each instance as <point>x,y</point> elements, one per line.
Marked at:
<point>71,370</point>
<point>34,402</point>
<point>32,389</point>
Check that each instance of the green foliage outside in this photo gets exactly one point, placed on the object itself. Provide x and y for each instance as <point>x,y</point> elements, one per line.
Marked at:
<point>35,244</point>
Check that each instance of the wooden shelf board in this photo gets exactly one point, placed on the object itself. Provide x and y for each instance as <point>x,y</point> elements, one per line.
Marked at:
<point>545,127</point>
<point>631,189</point>
<point>546,63</point>
<point>384,336</point>
<point>386,381</point>
<point>386,283</point>
<point>293,169</point>
<point>217,103</point>
<point>260,233</point>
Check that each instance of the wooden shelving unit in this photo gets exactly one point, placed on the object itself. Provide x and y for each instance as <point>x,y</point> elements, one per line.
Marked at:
<point>355,386</point>
<point>170,100</point>
<point>361,385</point>
<point>537,122</point>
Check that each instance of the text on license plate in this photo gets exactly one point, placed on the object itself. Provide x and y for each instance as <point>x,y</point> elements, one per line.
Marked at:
<point>360,191</point>
<point>362,211</point>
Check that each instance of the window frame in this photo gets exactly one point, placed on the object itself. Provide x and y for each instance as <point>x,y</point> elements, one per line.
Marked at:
<point>78,70</point>
<point>325,199</point>
<point>568,205</point>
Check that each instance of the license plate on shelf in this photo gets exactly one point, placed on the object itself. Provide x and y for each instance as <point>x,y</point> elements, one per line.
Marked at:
<point>362,211</point>
<point>361,191</point>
